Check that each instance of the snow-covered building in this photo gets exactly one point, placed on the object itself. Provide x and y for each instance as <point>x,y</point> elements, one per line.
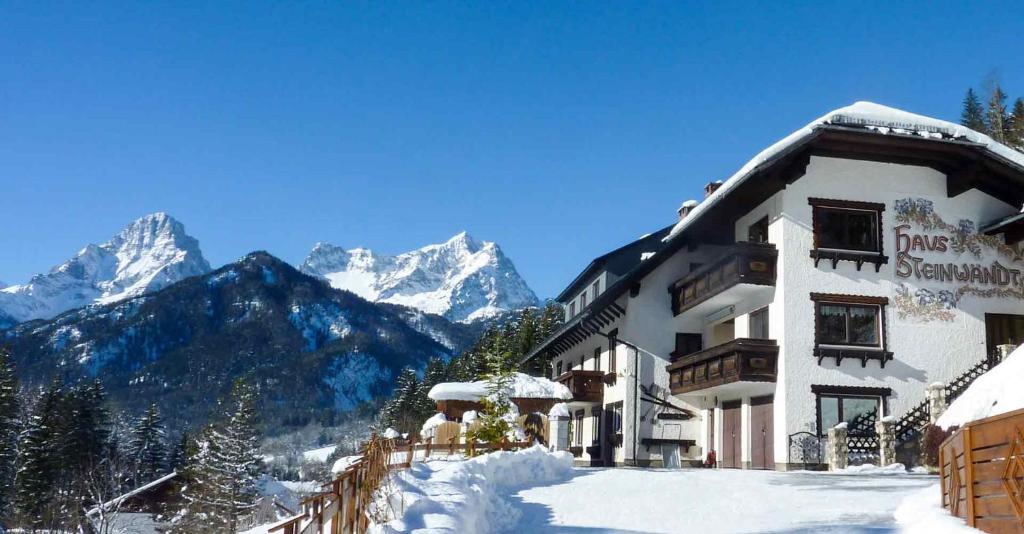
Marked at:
<point>528,393</point>
<point>832,278</point>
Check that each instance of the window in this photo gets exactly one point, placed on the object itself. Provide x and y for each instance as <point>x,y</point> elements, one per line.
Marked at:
<point>856,406</point>
<point>572,309</point>
<point>687,344</point>
<point>847,230</point>
<point>578,437</point>
<point>759,324</point>
<point>612,345</point>
<point>583,300</point>
<point>597,288</point>
<point>848,324</point>
<point>758,232</point>
<point>597,359</point>
<point>614,419</point>
<point>558,369</point>
<point>595,428</point>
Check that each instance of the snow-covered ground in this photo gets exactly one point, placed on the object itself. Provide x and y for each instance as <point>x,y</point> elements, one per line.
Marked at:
<point>996,392</point>
<point>533,491</point>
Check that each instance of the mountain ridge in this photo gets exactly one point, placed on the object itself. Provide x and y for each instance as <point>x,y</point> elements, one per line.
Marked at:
<point>149,254</point>
<point>314,351</point>
<point>462,279</point>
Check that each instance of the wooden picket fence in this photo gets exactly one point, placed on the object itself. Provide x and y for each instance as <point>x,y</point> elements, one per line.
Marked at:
<point>982,468</point>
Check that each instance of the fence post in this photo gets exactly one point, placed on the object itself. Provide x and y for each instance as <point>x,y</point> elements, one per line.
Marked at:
<point>838,450</point>
<point>559,430</point>
<point>886,430</point>
<point>430,440</point>
<point>936,395</point>
<point>1002,351</point>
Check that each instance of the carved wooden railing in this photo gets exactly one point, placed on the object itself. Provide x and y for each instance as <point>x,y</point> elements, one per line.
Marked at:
<point>585,386</point>
<point>743,263</point>
<point>740,360</point>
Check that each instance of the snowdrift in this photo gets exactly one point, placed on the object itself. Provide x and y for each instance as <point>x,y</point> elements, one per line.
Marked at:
<point>470,496</point>
<point>996,392</point>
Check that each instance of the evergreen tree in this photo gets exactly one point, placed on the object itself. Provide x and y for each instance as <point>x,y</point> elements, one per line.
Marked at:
<point>8,435</point>
<point>973,115</point>
<point>996,115</point>
<point>404,411</point>
<point>179,454</point>
<point>1015,136</point>
<point>38,472</point>
<point>497,418</point>
<point>148,447</point>
<point>201,511</point>
<point>528,331</point>
<point>221,469</point>
<point>235,456</point>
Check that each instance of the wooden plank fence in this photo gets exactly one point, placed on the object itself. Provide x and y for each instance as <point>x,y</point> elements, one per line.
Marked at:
<point>982,473</point>
<point>343,506</point>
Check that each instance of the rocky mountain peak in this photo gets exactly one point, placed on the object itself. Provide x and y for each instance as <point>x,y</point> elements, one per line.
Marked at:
<point>462,279</point>
<point>149,254</point>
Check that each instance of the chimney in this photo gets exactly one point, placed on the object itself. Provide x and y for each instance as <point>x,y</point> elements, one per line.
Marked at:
<point>711,188</point>
<point>686,208</point>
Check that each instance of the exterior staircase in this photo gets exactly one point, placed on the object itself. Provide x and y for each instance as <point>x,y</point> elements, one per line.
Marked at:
<point>862,438</point>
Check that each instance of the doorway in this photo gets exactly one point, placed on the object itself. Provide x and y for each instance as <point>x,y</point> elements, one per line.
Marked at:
<point>732,427</point>
<point>762,442</point>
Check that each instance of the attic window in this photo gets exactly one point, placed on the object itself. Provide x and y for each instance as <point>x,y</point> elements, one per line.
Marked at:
<point>847,231</point>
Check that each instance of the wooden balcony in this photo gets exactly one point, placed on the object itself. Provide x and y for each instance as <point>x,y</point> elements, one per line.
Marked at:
<point>743,264</point>
<point>740,360</point>
<point>586,386</point>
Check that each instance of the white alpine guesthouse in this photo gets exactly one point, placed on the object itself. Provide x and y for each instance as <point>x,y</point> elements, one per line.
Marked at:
<point>839,274</point>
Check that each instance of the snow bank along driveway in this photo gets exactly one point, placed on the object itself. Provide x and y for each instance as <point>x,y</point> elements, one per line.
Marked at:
<point>532,491</point>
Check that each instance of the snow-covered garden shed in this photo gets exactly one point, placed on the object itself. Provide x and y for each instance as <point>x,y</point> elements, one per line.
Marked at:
<point>529,393</point>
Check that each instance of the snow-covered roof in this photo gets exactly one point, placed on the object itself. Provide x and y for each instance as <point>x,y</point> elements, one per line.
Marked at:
<point>523,386</point>
<point>881,119</point>
<point>391,433</point>
<point>995,392</point>
<point>141,489</point>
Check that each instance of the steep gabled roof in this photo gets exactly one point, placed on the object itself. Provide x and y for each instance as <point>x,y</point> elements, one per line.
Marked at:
<point>618,261</point>
<point>863,130</point>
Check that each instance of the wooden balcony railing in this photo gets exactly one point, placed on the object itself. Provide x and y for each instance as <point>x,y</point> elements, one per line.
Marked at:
<point>743,263</point>
<point>740,360</point>
<point>586,386</point>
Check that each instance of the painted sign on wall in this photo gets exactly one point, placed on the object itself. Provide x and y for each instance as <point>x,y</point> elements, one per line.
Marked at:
<point>938,263</point>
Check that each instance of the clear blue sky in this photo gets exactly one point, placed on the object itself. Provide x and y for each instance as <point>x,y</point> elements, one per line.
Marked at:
<point>559,130</point>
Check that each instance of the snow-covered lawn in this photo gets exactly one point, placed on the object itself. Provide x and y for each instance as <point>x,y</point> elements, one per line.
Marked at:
<point>533,491</point>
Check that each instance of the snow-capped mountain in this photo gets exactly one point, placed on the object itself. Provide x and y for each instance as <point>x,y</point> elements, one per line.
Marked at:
<point>149,254</point>
<point>462,279</point>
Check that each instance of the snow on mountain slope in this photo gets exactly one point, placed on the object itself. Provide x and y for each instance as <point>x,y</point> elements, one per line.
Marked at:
<point>462,279</point>
<point>149,254</point>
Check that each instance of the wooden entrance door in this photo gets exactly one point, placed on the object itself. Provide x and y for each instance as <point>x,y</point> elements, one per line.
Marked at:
<point>732,429</point>
<point>762,455</point>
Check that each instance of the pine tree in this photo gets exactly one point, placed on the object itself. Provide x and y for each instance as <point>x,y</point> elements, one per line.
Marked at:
<point>148,447</point>
<point>996,115</point>
<point>179,454</point>
<point>221,469</point>
<point>201,512</point>
<point>496,419</point>
<point>973,115</point>
<point>8,435</point>
<point>235,455</point>
<point>404,411</point>
<point>39,470</point>
<point>1015,136</point>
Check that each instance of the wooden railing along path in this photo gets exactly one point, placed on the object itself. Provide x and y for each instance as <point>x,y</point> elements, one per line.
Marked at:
<point>982,473</point>
<point>344,505</point>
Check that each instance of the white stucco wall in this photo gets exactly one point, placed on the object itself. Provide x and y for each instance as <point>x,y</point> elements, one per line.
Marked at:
<point>923,352</point>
